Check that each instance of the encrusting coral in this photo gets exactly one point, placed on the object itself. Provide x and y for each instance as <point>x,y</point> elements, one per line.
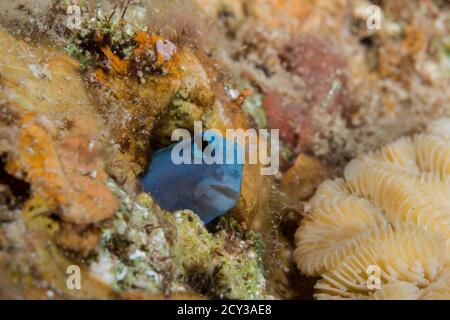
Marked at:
<point>61,146</point>
<point>391,212</point>
<point>144,249</point>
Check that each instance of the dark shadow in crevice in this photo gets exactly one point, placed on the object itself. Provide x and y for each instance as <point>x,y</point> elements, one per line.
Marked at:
<point>13,191</point>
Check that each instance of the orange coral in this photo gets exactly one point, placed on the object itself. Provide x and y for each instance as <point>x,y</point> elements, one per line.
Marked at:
<point>69,174</point>
<point>77,239</point>
<point>151,49</point>
<point>301,180</point>
<point>120,66</point>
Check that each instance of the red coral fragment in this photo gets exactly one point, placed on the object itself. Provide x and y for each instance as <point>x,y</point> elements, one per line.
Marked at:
<point>318,63</point>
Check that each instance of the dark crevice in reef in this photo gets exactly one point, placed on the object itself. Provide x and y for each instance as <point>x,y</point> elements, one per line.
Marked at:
<point>13,191</point>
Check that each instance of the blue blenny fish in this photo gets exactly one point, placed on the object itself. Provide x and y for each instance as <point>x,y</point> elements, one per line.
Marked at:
<point>208,189</point>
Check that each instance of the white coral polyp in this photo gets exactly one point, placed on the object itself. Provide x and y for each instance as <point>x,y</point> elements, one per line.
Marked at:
<point>392,212</point>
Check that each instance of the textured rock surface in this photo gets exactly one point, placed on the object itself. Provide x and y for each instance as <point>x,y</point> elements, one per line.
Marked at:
<point>58,149</point>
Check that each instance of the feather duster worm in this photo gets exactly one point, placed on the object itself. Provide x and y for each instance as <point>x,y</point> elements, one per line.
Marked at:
<point>390,213</point>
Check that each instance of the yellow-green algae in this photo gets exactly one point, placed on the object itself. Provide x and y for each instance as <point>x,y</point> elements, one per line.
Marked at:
<point>148,249</point>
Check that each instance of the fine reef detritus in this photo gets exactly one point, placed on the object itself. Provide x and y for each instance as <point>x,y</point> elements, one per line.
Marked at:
<point>389,213</point>
<point>202,174</point>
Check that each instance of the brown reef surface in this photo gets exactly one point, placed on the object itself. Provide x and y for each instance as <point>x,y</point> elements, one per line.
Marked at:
<point>82,112</point>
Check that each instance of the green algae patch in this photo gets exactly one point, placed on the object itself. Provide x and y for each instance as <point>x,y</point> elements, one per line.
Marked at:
<point>144,248</point>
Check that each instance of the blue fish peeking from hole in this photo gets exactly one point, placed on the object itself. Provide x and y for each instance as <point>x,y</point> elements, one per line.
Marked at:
<point>203,174</point>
